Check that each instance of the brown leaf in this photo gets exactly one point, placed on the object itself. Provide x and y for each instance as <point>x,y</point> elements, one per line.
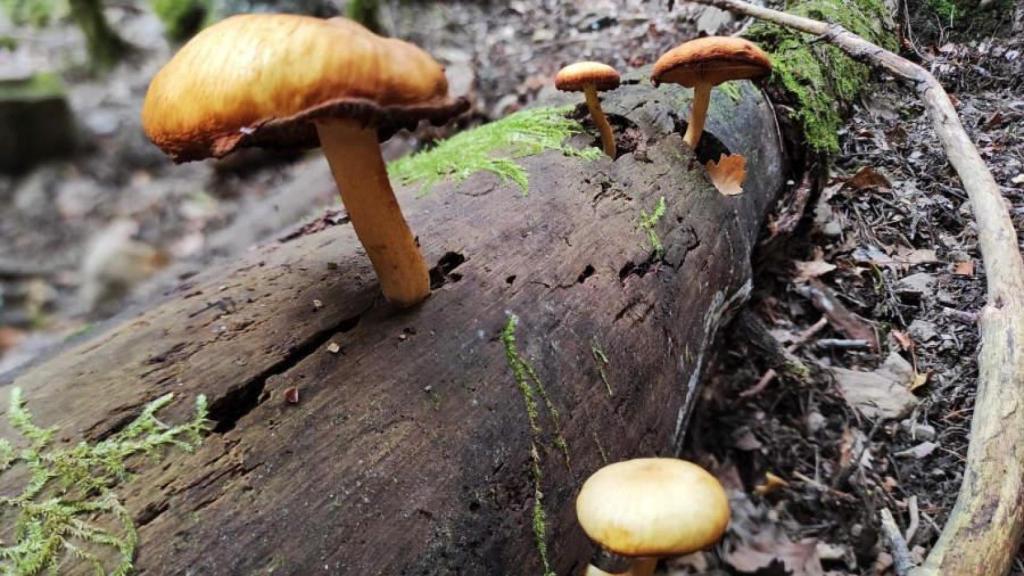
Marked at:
<point>965,268</point>
<point>868,177</point>
<point>728,173</point>
<point>881,393</point>
<point>807,270</point>
<point>906,342</point>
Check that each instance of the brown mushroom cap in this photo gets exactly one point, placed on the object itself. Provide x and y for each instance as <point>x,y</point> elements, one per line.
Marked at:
<point>575,77</point>
<point>653,507</point>
<point>261,80</point>
<point>713,59</point>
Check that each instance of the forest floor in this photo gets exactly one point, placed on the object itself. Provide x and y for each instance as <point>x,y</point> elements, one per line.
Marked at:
<point>889,239</point>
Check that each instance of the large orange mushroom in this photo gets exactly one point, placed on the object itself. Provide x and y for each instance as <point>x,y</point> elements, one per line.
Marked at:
<point>280,80</point>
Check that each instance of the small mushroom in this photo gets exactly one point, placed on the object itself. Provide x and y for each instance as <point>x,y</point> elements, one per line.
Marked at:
<point>591,78</point>
<point>650,508</point>
<point>286,81</point>
<point>704,63</point>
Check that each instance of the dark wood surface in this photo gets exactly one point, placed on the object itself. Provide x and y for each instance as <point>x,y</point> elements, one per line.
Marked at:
<point>409,450</point>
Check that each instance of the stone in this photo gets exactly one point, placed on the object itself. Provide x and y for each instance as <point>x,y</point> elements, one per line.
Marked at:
<point>36,123</point>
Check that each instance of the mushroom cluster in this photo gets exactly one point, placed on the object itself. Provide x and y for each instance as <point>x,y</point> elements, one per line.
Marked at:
<point>286,81</point>
<point>700,64</point>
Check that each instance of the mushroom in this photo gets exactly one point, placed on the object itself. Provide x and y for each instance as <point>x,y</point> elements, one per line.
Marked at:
<point>649,508</point>
<point>704,63</point>
<point>591,78</point>
<point>286,81</point>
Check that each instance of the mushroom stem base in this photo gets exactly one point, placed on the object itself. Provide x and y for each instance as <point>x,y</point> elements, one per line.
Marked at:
<point>701,99</point>
<point>353,153</point>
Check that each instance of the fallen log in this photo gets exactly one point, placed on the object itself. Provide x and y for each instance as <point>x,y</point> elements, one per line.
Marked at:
<point>354,438</point>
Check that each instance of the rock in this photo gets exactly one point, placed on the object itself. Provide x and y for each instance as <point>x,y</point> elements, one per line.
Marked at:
<point>35,122</point>
<point>114,264</point>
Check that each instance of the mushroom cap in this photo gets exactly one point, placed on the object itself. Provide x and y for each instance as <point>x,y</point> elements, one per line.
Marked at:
<point>575,77</point>
<point>653,507</point>
<point>262,79</point>
<point>713,59</point>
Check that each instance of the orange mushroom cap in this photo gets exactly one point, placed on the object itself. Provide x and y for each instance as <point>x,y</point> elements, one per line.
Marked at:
<point>575,77</point>
<point>713,60</point>
<point>262,79</point>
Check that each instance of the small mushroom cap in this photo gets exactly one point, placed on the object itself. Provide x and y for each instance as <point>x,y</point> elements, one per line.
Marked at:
<point>575,77</point>
<point>713,59</point>
<point>261,79</point>
<point>653,507</point>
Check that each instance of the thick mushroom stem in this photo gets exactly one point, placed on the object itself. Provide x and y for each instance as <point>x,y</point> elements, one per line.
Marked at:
<point>699,111</point>
<point>353,152</point>
<point>607,137</point>
<point>638,567</point>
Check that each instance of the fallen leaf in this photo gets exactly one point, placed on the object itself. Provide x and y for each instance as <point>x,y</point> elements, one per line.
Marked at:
<point>728,173</point>
<point>881,393</point>
<point>904,339</point>
<point>868,177</point>
<point>965,268</point>
<point>334,348</point>
<point>807,270</point>
<point>793,558</point>
<point>771,484</point>
<point>922,450</point>
<point>291,395</point>
<point>920,379</point>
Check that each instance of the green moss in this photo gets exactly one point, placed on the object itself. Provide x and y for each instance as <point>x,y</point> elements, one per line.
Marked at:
<point>649,223</point>
<point>494,148</point>
<point>947,9</point>
<point>526,380</point>
<point>182,18</point>
<point>732,90</point>
<point>41,86</point>
<point>601,360</point>
<point>68,501</point>
<point>33,12</point>
<point>818,76</point>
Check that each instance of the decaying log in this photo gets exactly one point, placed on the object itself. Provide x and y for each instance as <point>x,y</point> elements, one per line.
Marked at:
<point>409,450</point>
<point>984,529</point>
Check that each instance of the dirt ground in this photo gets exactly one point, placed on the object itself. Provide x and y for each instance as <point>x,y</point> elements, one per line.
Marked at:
<point>809,462</point>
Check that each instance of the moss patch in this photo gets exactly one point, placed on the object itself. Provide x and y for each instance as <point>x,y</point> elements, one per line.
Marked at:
<point>820,77</point>
<point>530,386</point>
<point>649,224</point>
<point>64,512</point>
<point>41,86</point>
<point>493,148</point>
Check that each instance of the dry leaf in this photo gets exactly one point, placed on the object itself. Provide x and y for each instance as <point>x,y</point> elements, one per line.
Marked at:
<point>807,270</point>
<point>728,174</point>
<point>920,379</point>
<point>771,484</point>
<point>334,348</point>
<point>904,339</point>
<point>964,268</point>
<point>868,177</point>
<point>882,393</point>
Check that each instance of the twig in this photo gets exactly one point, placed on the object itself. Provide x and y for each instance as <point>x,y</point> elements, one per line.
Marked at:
<point>983,530</point>
<point>770,374</point>
<point>902,563</point>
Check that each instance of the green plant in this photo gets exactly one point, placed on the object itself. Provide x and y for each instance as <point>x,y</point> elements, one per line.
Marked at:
<point>649,224</point>
<point>68,503</point>
<point>182,18</point>
<point>34,12</point>
<point>494,148</point>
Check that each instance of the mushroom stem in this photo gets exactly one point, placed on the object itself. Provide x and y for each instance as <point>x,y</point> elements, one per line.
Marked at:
<point>594,104</point>
<point>643,567</point>
<point>353,152</point>
<point>699,111</point>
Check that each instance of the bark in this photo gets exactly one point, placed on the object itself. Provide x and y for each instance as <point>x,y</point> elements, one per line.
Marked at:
<point>984,530</point>
<point>409,451</point>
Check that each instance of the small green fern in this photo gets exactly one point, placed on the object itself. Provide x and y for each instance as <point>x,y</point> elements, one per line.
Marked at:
<point>64,510</point>
<point>494,148</point>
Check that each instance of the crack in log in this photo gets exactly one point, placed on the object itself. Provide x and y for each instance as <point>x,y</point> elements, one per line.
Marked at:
<point>227,410</point>
<point>443,272</point>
